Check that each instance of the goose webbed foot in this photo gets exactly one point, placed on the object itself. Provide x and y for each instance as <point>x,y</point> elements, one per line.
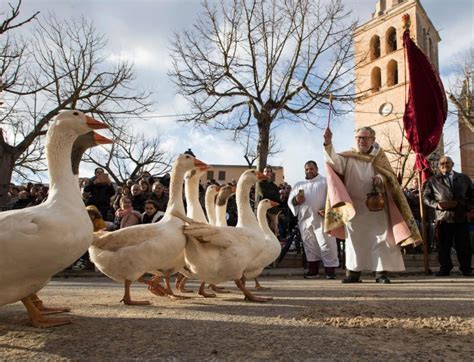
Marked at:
<point>154,286</point>
<point>218,289</point>
<point>259,286</point>
<point>254,298</point>
<point>47,310</point>
<point>170,294</point>
<point>127,299</point>
<point>248,295</point>
<point>37,318</point>
<point>181,285</point>
<point>203,292</point>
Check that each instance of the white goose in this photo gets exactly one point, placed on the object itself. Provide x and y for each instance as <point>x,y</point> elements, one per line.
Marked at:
<point>195,212</point>
<point>222,198</point>
<point>272,246</point>
<point>210,203</point>
<point>217,254</point>
<point>127,254</point>
<point>52,235</point>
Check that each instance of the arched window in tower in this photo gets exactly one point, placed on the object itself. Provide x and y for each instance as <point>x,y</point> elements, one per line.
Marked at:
<point>391,40</point>
<point>374,47</point>
<point>375,79</point>
<point>392,73</point>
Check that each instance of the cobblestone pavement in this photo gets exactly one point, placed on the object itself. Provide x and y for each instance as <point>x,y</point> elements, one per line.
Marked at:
<point>415,317</point>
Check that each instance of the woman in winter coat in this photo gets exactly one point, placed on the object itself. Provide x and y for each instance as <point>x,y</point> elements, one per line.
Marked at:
<point>151,213</point>
<point>126,216</point>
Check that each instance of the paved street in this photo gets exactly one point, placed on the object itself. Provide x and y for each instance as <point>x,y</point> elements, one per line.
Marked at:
<point>413,318</point>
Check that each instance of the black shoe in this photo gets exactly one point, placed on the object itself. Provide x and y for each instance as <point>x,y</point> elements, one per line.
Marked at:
<point>467,273</point>
<point>309,275</point>
<point>383,279</point>
<point>442,274</point>
<point>351,280</point>
<point>331,276</point>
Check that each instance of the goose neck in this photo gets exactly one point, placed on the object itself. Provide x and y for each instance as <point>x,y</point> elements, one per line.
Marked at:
<point>245,213</point>
<point>175,202</point>
<point>191,192</point>
<point>263,221</point>
<point>221,214</point>
<point>58,155</point>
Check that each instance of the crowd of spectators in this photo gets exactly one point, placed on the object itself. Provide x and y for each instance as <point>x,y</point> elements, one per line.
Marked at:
<point>140,200</point>
<point>27,195</point>
<point>110,207</point>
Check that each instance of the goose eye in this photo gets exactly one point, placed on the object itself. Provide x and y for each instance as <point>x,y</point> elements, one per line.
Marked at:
<point>76,113</point>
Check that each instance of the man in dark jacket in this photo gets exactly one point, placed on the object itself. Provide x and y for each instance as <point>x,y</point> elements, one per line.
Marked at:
<point>101,190</point>
<point>159,196</point>
<point>267,189</point>
<point>138,198</point>
<point>451,195</point>
<point>23,200</point>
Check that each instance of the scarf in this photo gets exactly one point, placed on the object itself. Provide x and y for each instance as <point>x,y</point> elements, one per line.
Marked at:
<point>120,213</point>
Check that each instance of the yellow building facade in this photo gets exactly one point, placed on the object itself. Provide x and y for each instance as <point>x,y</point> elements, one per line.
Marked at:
<point>224,174</point>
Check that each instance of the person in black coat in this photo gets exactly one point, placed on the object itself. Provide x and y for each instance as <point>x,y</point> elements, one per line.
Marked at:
<point>267,189</point>
<point>23,200</point>
<point>101,190</point>
<point>451,194</point>
<point>138,198</point>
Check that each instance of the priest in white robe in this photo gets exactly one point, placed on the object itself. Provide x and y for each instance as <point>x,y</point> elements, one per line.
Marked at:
<point>370,241</point>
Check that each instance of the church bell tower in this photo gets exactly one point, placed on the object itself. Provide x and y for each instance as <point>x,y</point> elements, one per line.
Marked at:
<point>380,77</point>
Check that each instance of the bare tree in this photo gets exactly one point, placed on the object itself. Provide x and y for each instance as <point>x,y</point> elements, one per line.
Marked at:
<point>249,144</point>
<point>398,151</point>
<point>401,156</point>
<point>461,92</point>
<point>130,155</point>
<point>250,64</point>
<point>12,21</point>
<point>61,67</point>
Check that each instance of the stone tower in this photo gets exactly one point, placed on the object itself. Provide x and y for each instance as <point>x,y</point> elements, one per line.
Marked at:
<point>466,129</point>
<point>380,70</point>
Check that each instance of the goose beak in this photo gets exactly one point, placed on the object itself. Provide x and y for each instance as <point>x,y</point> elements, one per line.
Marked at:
<point>203,168</point>
<point>101,140</point>
<point>199,163</point>
<point>94,124</point>
<point>261,176</point>
<point>273,203</point>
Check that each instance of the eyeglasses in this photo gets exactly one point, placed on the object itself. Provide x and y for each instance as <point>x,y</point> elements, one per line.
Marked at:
<point>358,138</point>
<point>445,163</point>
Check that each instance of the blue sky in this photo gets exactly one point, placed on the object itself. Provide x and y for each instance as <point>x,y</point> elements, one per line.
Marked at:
<point>140,30</point>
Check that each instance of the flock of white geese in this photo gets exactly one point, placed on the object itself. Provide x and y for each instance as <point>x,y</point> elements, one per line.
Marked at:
<point>40,241</point>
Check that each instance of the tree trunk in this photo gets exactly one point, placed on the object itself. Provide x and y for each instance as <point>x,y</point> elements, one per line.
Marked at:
<point>264,122</point>
<point>7,163</point>
<point>263,146</point>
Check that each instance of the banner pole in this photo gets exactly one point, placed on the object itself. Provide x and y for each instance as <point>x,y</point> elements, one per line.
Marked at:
<point>426,262</point>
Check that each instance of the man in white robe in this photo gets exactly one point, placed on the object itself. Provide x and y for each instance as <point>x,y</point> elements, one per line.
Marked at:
<point>309,207</point>
<point>369,239</point>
